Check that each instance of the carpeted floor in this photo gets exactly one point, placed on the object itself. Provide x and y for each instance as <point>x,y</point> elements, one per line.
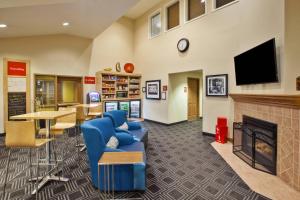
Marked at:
<point>181,165</point>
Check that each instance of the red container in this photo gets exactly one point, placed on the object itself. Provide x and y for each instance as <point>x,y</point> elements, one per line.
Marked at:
<point>221,130</point>
<point>222,121</point>
<point>221,134</point>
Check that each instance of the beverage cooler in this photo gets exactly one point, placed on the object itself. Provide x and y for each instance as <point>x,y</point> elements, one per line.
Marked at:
<point>135,109</point>
<point>111,105</point>
<point>132,107</point>
<point>124,105</point>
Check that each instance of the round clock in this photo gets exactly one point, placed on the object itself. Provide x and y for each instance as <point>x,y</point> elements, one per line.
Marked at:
<point>183,45</point>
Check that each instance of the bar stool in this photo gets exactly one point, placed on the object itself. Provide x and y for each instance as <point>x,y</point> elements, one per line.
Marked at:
<point>62,126</point>
<point>21,134</point>
<point>95,111</point>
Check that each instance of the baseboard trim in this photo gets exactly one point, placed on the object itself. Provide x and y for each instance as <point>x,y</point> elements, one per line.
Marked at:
<point>208,134</point>
<point>149,120</point>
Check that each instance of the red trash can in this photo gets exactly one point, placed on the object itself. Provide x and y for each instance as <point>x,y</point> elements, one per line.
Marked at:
<point>221,130</point>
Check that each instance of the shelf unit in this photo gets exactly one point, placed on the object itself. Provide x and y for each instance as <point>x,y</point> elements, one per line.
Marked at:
<point>114,85</point>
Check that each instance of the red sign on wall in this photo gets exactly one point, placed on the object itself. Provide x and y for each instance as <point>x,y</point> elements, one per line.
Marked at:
<point>89,80</point>
<point>16,68</point>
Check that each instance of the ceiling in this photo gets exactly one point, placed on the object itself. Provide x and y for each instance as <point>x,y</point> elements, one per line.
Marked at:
<point>87,18</point>
<point>141,7</point>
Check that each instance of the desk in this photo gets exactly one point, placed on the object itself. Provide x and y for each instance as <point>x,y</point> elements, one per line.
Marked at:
<point>115,158</point>
<point>48,116</point>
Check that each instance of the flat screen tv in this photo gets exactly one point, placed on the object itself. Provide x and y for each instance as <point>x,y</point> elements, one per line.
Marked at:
<point>257,65</point>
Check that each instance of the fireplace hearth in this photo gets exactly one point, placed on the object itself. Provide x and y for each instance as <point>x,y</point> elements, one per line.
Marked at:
<point>255,142</point>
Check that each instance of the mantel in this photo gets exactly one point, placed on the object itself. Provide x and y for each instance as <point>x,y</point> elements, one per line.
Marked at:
<point>280,100</point>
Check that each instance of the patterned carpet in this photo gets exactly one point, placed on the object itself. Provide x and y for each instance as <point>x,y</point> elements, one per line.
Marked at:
<point>181,165</point>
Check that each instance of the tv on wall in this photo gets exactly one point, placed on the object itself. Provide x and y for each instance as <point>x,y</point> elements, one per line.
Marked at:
<point>257,65</point>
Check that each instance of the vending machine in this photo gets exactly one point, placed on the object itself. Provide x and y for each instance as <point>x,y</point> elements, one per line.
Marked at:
<point>125,105</point>
<point>135,109</point>
<point>111,105</point>
<point>93,97</point>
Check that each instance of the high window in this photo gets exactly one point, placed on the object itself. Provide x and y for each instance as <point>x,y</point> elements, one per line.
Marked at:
<point>220,3</point>
<point>173,15</point>
<point>155,24</point>
<point>195,8</point>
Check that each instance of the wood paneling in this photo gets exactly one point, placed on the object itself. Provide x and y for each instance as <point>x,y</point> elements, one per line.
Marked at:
<point>287,101</point>
<point>193,98</point>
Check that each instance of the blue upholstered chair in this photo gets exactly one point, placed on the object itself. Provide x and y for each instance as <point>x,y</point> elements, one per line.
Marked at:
<point>134,128</point>
<point>96,134</point>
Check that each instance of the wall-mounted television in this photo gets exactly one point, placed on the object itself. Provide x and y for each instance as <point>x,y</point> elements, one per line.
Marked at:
<point>257,65</point>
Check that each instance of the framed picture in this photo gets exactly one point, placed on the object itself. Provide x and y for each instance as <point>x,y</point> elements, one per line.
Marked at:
<point>153,90</point>
<point>298,83</point>
<point>163,96</point>
<point>217,85</point>
<point>143,89</point>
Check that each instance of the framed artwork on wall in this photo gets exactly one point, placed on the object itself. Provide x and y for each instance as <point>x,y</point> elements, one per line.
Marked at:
<point>217,85</point>
<point>153,90</point>
<point>298,83</point>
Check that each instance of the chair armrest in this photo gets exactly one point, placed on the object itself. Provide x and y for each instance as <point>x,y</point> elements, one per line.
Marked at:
<point>107,149</point>
<point>124,138</point>
<point>134,125</point>
<point>121,130</point>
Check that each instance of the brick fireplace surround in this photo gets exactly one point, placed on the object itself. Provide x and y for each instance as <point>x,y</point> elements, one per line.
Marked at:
<point>284,110</point>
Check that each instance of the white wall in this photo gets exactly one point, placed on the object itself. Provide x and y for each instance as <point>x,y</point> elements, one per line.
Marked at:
<point>178,98</point>
<point>214,40</point>
<point>56,54</point>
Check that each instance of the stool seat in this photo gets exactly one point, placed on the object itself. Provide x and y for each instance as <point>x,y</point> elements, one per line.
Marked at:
<point>41,142</point>
<point>61,126</point>
<point>58,128</point>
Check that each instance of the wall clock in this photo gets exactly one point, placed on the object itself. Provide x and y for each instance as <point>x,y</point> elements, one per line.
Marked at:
<point>183,45</point>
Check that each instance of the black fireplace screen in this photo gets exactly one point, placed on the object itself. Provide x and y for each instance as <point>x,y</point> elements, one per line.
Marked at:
<point>255,142</point>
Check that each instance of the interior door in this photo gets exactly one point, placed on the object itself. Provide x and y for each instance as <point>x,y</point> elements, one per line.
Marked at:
<point>193,98</point>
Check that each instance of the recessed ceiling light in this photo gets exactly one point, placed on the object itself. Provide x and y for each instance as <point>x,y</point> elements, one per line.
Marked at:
<point>3,25</point>
<point>66,24</point>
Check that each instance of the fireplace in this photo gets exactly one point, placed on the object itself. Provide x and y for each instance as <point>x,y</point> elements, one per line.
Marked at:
<point>255,142</point>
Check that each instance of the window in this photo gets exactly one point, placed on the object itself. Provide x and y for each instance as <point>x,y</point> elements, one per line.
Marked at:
<point>195,8</point>
<point>220,3</point>
<point>155,24</point>
<point>173,19</point>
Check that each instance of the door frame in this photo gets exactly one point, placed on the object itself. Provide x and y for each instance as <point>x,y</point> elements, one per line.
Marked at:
<point>198,95</point>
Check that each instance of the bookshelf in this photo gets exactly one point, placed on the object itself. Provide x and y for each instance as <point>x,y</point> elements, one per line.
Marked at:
<point>118,86</point>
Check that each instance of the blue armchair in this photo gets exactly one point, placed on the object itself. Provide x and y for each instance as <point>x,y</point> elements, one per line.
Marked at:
<point>134,128</point>
<point>96,134</point>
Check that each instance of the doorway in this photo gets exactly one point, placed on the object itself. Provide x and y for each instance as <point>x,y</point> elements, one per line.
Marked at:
<point>193,98</point>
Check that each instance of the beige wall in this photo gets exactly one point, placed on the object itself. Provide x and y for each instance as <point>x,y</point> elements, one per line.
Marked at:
<point>214,40</point>
<point>114,45</point>
<point>56,54</point>
<point>292,43</point>
<point>178,98</point>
